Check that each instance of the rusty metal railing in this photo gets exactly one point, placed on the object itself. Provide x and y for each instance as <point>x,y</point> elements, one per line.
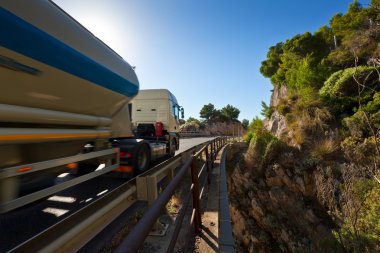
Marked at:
<point>137,236</point>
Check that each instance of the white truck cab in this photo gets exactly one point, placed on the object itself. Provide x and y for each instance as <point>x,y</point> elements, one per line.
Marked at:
<point>156,105</point>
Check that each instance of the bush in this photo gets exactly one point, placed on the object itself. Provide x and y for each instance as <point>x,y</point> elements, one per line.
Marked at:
<point>361,229</point>
<point>359,150</point>
<point>340,91</point>
<point>248,137</point>
<point>273,150</point>
<point>342,83</point>
<point>283,109</point>
<point>258,148</point>
<point>266,110</point>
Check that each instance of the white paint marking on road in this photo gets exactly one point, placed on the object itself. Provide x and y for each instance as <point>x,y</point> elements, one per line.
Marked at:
<point>55,211</point>
<point>63,175</point>
<point>101,166</point>
<point>62,199</point>
<point>101,193</point>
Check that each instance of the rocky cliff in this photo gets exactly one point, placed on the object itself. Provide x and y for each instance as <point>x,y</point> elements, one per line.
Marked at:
<point>215,128</point>
<point>276,123</point>
<point>275,210</point>
<point>306,182</point>
<point>273,192</point>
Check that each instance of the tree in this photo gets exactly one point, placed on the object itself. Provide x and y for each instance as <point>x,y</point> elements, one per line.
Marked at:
<point>208,111</point>
<point>200,124</point>
<point>256,125</point>
<point>231,112</point>
<point>245,123</point>
<point>182,121</point>
<point>191,119</point>
<point>270,66</point>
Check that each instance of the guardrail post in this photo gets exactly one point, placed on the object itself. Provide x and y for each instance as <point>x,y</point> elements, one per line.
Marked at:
<point>196,202</point>
<point>152,193</point>
<point>208,166</point>
<point>142,192</point>
<point>212,154</point>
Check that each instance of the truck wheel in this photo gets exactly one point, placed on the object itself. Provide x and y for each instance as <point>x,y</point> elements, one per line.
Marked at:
<point>173,147</point>
<point>141,159</point>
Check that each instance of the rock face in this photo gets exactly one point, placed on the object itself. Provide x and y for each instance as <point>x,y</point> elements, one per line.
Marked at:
<point>279,92</point>
<point>223,128</point>
<point>232,128</point>
<point>275,211</point>
<point>276,123</point>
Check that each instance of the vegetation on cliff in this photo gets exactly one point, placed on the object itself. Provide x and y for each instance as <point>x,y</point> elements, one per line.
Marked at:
<point>313,185</point>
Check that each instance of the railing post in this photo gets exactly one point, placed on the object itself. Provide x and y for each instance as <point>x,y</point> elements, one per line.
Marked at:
<point>196,201</point>
<point>208,166</point>
<point>212,154</point>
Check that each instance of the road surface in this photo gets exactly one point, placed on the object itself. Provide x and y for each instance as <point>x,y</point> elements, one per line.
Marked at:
<point>21,224</point>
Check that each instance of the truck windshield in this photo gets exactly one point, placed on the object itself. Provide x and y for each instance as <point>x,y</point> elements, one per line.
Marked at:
<point>176,111</point>
<point>174,105</point>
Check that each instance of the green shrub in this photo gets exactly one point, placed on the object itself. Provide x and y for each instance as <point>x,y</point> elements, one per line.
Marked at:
<point>257,148</point>
<point>361,232</point>
<point>283,109</point>
<point>359,150</point>
<point>273,149</point>
<point>248,137</point>
<point>266,110</point>
<point>340,90</point>
<point>342,83</point>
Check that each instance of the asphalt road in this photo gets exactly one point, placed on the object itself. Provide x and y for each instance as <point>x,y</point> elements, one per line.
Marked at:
<point>185,144</point>
<point>19,225</point>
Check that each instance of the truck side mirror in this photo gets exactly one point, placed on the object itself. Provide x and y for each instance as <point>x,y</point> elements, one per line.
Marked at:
<point>182,113</point>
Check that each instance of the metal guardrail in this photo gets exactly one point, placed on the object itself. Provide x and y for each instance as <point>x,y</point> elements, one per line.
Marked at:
<point>137,236</point>
<point>8,175</point>
<point>72,233</point>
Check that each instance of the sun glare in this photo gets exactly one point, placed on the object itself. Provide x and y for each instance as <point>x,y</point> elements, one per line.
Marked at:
<point>104,29</point>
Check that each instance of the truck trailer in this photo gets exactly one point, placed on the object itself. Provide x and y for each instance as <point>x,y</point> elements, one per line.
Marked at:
<point>66,103</point>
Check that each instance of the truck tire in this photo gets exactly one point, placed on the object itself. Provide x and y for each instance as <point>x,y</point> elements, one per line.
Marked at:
<point>173,147</point>
<point>141,159</point>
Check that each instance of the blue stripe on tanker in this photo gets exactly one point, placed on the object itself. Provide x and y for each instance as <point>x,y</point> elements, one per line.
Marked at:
<point>26,39</point>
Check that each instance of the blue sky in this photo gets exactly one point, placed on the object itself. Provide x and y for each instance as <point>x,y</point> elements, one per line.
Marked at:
<point>204,51</point>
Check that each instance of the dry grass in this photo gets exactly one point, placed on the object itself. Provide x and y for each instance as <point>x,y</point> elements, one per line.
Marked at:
<point>174,204</point>
<point>298,137</point>
<point>324,148</point>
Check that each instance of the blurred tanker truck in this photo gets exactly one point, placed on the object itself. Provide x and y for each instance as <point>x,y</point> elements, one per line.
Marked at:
<point>66,103</point>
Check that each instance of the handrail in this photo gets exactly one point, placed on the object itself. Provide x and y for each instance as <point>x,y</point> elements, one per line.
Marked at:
<point>137,236</point>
